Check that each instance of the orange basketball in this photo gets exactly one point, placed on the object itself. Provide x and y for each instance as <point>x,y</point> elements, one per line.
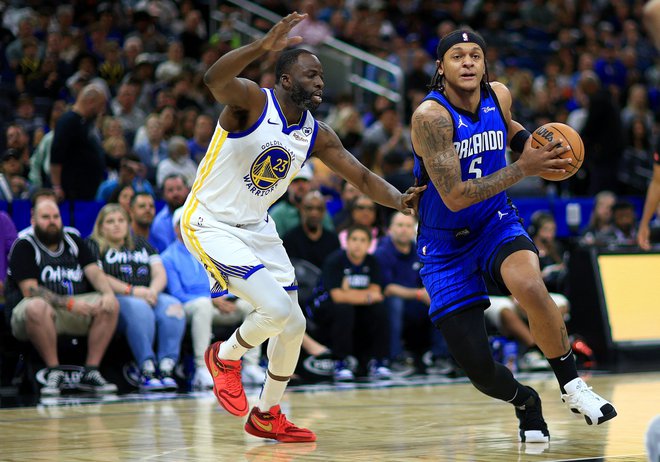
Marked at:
<point>552,131</point>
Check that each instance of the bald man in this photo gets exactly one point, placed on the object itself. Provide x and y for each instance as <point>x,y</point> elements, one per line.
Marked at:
<point>77,158</point>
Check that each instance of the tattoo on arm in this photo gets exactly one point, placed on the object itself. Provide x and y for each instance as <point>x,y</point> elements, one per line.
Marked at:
<point>55,300</point>
<point>437,149</point>
<point>480,189</point>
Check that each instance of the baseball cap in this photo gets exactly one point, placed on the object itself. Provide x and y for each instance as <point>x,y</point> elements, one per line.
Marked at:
<point>305,173</point>
<point>9,154</point>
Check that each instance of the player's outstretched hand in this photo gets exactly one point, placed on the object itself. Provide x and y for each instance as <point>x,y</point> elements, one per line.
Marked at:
<point>276,39</point>
<point>410,200</point>
<point>544,159</point>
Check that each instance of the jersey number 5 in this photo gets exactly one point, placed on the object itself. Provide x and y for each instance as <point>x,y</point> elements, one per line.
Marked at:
<point>474,167</point>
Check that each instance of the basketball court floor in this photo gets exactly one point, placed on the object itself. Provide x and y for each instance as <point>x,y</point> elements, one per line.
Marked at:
<point>405,419</point>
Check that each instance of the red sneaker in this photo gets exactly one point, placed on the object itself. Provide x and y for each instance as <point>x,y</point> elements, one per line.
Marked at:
<point>227,384</point>
<point>274,425</point>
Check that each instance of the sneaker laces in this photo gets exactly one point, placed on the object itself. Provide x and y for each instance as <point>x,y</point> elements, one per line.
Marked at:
<point>585,397</point>
<point>95,376</point>
<point>55,378</point>
<point>233,378</point>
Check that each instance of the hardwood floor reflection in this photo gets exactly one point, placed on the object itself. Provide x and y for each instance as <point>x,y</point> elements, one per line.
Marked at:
<point>438,422</point>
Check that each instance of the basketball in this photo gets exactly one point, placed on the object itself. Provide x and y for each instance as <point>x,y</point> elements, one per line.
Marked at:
<point>552,131</point>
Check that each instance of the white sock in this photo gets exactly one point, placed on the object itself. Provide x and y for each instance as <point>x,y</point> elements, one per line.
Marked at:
<point>271,393</point>
<point>231,349</point>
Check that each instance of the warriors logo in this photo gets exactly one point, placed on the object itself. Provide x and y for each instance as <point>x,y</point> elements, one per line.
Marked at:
<point>269,168</point>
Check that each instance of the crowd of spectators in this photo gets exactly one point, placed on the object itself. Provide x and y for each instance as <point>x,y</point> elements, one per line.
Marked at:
<point>107,102</point>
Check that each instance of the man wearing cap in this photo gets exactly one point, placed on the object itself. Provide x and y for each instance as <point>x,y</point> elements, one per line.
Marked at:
<point>187,281</point>
<point>286,212</point>
<point>12,184</point>
<point>459,134</point>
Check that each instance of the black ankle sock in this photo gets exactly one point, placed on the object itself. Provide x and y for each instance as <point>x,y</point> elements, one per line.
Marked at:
<point>564,369</point>
<point>522,395</point>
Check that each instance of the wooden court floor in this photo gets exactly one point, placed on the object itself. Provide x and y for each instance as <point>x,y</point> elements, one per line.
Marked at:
<point>426,422</point>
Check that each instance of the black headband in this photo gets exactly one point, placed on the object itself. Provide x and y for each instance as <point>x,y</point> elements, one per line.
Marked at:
<point>459,36</point>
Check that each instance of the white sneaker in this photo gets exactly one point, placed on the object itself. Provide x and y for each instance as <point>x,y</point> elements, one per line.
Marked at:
<point>202,379</point>
<point>253,374</point>
<point>581,400</point>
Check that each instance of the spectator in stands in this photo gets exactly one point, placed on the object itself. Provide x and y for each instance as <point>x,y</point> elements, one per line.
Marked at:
<point>130,172</point>
<point>637,107</point>
<point>175,192</point>
<point>122,195</point>
<point>349,194</point>
<point>48,293</point>
<point>7,237</point>
<point>348,312</point>
<point>18,139</point>
<point>124,107</point>
<point>312,30</point>
<point>171,68</point>
<point>543,231</point>
<point>144,28</point>
<point>142,210</point>
<point>39,175</point>
<point>137,275</point>
<point>602,123</point>
<point>406,299</point>
<point>14,51</point>
<point>77,158</point>
<point>188,281</point>
<point>178,162</point>
<point>286,212</point>
<point>31,122</point>
<point>153,149</point>
<point>193,34</point>
<point>199,143</point>
<point>624,226</point>
<point>385,136</point>
<point>112,68</point>
<point>12,184</point>
<point>310,241</point>
<point>600,221</point>
<point>364,212</point>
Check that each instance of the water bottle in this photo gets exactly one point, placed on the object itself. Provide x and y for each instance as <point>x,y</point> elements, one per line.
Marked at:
<point>510,355</point>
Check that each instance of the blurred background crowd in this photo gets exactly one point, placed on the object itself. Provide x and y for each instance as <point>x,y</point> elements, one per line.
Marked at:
<point>105,102</point>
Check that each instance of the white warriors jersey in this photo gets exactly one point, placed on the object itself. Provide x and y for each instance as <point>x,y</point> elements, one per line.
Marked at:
<point>244,173</point>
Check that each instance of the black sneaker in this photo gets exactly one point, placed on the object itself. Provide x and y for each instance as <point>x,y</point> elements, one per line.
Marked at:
<point>93,381</point>
<point>54,381</point>
<point>533,428</point>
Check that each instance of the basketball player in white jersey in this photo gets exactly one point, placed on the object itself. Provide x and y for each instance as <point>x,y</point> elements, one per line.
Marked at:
<point>261,141</point>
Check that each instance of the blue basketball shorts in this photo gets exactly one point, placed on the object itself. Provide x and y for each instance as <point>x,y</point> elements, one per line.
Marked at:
<point>452,267</point>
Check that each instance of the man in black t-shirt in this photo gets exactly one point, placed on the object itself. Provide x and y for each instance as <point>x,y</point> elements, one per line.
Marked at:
<point>309,240</point>
<point>348,312</point>
<point>48,293</point>
<point>77,157</point>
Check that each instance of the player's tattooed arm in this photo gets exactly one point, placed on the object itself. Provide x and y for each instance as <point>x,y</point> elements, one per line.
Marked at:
<point>432,135</point>
<point>30,288</point>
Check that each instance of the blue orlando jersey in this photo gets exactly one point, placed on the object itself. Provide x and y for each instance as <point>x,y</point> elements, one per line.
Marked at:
<point>480,142</point>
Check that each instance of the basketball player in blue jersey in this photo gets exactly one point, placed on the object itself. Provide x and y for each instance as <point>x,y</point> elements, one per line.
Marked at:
<point>262,139</point>
<point>468,226</point>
